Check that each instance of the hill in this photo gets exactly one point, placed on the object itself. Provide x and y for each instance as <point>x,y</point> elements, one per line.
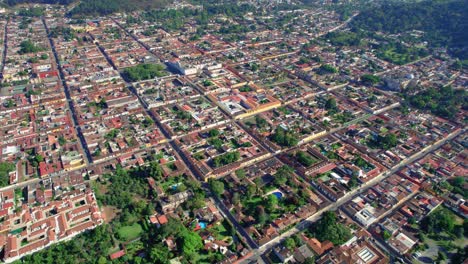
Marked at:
<point>105,7</point>
<point>445,22</point>
<point>16,2</point>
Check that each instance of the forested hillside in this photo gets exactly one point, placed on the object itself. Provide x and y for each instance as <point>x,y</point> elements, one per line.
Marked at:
<point>445,22</point>
<point>61,2</point>
<point>105,7</point>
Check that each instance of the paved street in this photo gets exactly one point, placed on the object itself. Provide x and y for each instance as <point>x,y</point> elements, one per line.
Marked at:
<point>349,196</point>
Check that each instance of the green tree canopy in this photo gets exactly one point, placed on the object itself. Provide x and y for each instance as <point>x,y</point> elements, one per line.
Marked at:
<point>216,186</point>
<point>327,228</point>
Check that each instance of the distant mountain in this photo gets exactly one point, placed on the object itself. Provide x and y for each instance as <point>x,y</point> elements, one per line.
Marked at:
<point>444,21</point>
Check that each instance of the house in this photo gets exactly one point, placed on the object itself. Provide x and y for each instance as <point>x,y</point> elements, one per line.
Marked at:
<point>318,247</point>
<point>359,249</point>
<point>302,253</point>
<point>283,253</point>
<point>117,255</point>
<point>402,242</point>
<point>171,202</point>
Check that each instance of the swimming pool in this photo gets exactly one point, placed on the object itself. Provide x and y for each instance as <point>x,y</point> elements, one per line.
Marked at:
<point>202,225</point>
<point>278,195</point>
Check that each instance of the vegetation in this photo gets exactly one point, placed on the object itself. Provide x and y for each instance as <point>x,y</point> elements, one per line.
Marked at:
<point>126,191</point>
<point>399,53</point>
<point>126,184</point>
<point>52,2</point>
<point>460,256</point>
<point>327,69</point>
<point>217,187</point>
<point>245,88</point>
<point>188,242</point>
<point>130,232</point>
<point>370,79</point>
<point>85,248</point>
<point>441,220</point>
<point>386,235</point>
<point>344,38</point>
<point>106,7</point>
<point>285,138</point>
<point>443,21</point>
<point>61,140</point>
<point>444,102</point>
<point>283,175</point>
<point>457,186</point>
<point>305,159</point>
<point>331,106</point>
<point>5,169</point>
<point>143,72</point>
<point>31,12</point>
<point>327,228</point>
<point>383,142</point>
<point>28,46</point>
<point>226,158</point>
<point>66,32</point>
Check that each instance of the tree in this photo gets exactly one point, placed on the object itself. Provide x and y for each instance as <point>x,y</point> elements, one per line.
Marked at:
<point>159,254</point>
<point>62,140</point>
<point>28,46</point>
<point>254,66</point>
<point>262,217</point>
<point>386,235</point>
<point>331,106</point>
<point>442,22</point>
<point>240,173</point>
<point>106,7</point>
<point>143,72</point>
<point>251,191</point>
<point>353,182</point>
<point>289,243</point>
<point>327,228</point>
<point>31,12</point>
<point>5,169</point>
<point>236,198</point>
<point>305,159</point>
<point>191,242</point>
<point>285,138</point>
<point>327,69</point>
<point>390,141</point>
<point>102,260</point>
<point>385,142</point>
<point>440,220</point>
<point>310,260</point>
<point>217,187</point>
<point>441,256</point>
<point>214,132</point>
<point>370,79</point>
<point>280,178</point>
<point>272,201</point>
<point>226,159</point>
<point>53,2</point>
<point>260,122</point>
<point>197,201</point>
<point>430,99</point>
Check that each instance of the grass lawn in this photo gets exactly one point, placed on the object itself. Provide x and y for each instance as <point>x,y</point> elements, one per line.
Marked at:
<point>222,231</point>
<point>251,204</point>
<point>130,232</point>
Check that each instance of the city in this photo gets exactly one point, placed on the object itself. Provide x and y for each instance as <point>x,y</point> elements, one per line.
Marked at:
<point>250,132</point>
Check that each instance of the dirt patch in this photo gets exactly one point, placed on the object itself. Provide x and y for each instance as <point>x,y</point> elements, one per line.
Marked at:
<point>110,212</point>
<point>102,188</point>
